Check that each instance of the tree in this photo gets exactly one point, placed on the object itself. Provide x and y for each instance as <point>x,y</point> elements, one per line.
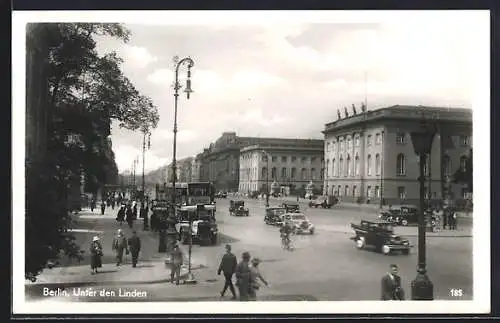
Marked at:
<point>86,92</point>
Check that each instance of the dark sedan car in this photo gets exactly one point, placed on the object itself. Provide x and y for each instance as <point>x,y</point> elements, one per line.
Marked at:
<point>379,234</point>
<point>274,215</point>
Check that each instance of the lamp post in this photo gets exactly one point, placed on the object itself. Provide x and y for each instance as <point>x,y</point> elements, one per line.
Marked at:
<point>267,177</point>
<point>144,209</point>
<point>188,90</point>
<point>171,227</point>
<point>421,287</point>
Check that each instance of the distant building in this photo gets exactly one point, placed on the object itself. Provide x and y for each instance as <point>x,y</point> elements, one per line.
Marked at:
<point>195,168</point>
<point>183,170</point>
<point>292,165</point>
<point>220,162</point>
<point>370,156</point>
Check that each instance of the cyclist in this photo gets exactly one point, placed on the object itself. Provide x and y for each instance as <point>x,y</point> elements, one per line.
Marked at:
<point>285,232</point>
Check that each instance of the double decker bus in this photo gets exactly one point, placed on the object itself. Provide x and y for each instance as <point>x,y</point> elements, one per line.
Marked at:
<point>165,192</point>
<point>198,214</point>
<point>192,193</point>
<point>200,193</point>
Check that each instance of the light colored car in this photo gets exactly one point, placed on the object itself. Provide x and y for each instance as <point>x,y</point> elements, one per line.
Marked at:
<point>301,223</point>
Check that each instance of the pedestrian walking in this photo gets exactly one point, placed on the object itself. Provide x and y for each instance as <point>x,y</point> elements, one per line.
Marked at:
<point>134,245</point>
<point>228,266</point>
<point>144,216</point>
<point>243,276</point>
<point>120,217</point>
<point>134,210</point>
<point>445,218</point>
<point>453,219</point>
<point>103,207</point>
<point>92,205</point>
<point>391,285</point>
<point>95,254</point>
<point>177,259</point>
<point>119,246</point>
<point>129,216</point>
<point>113,203</point>
<point>255,277</point>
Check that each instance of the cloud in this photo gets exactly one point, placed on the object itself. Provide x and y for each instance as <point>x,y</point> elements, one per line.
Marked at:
<point>183,136</point>
<point>288,80</point>
<point>162,77</point>
<point>138,57</point>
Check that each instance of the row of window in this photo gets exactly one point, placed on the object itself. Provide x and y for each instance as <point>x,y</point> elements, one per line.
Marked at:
<point>347,143</point>
<point>338,169</point>
<point>305,174</point>
<point>447,167</point>
<point>375,192</point>
<point>285,159</point>
<point>354,191</point>
<point>401,139</point>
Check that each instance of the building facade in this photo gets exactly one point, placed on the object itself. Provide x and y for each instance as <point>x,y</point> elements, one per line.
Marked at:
<point>287,166</point>
<point>369,157</point>
<point>183,170</point>
<point>220,162</point>
<point>195,168</point>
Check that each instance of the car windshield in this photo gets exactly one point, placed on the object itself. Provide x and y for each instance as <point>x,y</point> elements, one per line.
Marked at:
<point>298,217</point>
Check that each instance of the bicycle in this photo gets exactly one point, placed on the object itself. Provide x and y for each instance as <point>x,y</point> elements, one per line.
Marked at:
<point>286,243</point>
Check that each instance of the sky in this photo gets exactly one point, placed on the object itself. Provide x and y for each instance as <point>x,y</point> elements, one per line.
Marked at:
<point>266,77</point>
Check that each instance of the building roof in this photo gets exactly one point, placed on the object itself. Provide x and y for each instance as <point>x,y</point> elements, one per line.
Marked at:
<point>229,141</point>
<point>403,112</point>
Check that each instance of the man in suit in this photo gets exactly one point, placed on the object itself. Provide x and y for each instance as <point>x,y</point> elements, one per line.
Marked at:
<point>134,245</point>
<point>228,266</point>
<point>391,285</point>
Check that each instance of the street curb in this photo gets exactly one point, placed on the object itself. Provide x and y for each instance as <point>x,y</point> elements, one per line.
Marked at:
<point>107,283</point>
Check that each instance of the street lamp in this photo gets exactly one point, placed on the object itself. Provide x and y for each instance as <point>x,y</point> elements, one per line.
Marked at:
<point>422,288</point>
<point>267,177</point>
<point>188,90</point>
<point>171,227</point>
<point>144,210</point>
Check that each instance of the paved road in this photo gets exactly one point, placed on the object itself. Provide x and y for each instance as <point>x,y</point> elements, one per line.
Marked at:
<point>325,266</point>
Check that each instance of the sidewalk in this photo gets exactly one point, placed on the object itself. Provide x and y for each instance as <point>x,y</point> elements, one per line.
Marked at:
<point>151,267</point>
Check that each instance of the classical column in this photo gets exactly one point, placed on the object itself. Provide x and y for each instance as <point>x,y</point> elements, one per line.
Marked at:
<point>362,143</point>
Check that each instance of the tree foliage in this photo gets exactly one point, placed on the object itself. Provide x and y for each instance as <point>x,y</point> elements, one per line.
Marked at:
<point>86,91</point>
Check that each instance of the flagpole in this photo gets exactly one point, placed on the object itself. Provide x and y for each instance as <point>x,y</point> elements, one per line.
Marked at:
<point>366,88</point>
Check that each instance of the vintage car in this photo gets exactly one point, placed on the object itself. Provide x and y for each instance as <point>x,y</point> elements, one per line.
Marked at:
<point>204,229</point>
<point>300,221</point>
<point>291,207</point>
<point>379,234</point>
<point>324,202</point>
<point>221,195</point>
<point>237,208</point>
<point>274,215</point>
<point>400,214</point>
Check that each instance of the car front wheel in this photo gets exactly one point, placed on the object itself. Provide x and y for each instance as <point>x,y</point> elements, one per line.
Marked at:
<point>406,251</point>
<point>404,222</point>
<point>311,231</point>
<point>360,243</point>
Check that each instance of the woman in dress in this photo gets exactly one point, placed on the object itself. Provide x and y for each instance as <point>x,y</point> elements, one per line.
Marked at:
<point>95,254</point>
